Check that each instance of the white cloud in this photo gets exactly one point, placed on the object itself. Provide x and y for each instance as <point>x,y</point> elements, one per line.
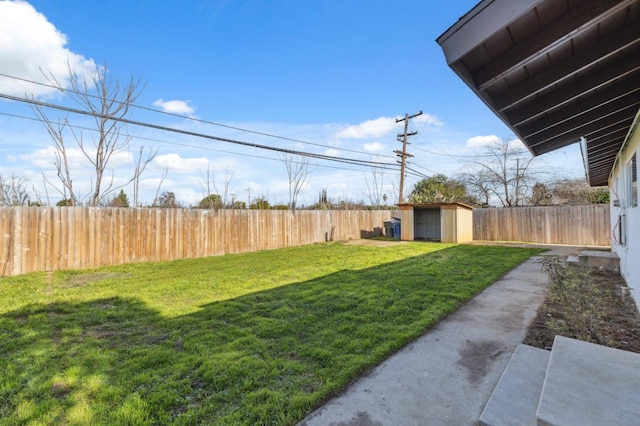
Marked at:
<point>31,45</point>
<point>176,163</point>
<point>337,187</point>
<point>175,107</point>
<point>374,147</point>
<point>427,119</point>
<point>333,152</point>
<point>371,128</point>
<point>382,126</point>
<point>517,144</point>
<point>43,158</point>
<point>482,141</point>
<point>77,160</point>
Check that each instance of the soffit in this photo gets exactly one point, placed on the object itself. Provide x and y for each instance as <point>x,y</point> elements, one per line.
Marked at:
<point>554,71</point>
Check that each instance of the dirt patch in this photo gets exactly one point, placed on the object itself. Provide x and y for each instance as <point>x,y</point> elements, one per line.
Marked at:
<point>60,389</point>
<point>374,243</point>
<point>592,305</point>
<point>84,279</point>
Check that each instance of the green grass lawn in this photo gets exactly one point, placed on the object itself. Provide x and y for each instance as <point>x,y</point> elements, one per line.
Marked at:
<point>258,338</point>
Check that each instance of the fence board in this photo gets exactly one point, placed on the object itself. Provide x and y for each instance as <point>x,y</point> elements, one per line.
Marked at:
<point>587,225</point>
<point>53,238</point>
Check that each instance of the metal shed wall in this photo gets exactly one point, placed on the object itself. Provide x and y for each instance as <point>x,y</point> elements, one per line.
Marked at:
<point>456,224</point>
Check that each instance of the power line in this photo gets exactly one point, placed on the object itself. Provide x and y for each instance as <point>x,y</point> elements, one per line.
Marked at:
<point>186,117</point>
<point>351,161</point>
<point>456,156</point>
<point>418,174</point>
<point>388,166</point>
<point>422,167</point>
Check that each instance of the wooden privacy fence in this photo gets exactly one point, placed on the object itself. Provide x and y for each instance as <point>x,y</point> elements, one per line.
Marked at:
<point>52,238</point>
<point>587,225</point>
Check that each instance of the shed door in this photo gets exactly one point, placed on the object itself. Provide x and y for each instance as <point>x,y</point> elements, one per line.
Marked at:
<point>427,224</point>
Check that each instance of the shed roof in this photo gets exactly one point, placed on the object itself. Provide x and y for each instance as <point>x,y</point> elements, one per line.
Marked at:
<point>436,205</point>
<point>554,71</point>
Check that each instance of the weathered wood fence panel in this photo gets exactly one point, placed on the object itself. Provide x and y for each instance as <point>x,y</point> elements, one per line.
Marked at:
<point>52,238</point>
<point>587,225</point>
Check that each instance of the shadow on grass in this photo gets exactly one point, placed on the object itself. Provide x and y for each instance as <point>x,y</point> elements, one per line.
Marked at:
<point>267,357</point>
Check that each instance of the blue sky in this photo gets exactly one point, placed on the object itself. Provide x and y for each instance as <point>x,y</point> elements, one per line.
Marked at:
<point>333,73</point>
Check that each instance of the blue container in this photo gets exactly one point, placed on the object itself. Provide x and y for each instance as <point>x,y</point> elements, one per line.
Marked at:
<point>396,230</point>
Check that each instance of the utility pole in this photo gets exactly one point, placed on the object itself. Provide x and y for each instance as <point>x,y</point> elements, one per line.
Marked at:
<point>403,154</point>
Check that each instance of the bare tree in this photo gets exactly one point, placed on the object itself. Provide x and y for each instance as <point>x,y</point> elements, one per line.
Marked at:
<point>140,166</point>
<point>108,102</point>
<point>15,192</point>
<point>375,187</point>
<point>210,187</point>
<point>541,195</point>
<point>298,174</point>
<point>569,191</point>
<point>60,161</point>
<point>503,173</point>
<point>156,198</point>
<point>478,184</point>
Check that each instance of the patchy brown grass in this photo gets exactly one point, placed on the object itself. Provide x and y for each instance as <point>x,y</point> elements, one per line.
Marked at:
<point>593,305</point>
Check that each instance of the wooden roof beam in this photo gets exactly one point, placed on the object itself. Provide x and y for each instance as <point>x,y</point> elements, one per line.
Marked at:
<point>586,109</point>
<point>624,68</point>
<point>600,51</point>
<point>570,132</point>
<point>563,28</point>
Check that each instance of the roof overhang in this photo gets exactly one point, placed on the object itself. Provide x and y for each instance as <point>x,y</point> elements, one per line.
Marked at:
<point>554,71</point>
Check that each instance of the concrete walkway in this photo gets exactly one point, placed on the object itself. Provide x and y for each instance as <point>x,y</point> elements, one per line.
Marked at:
<point>446,376</point>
